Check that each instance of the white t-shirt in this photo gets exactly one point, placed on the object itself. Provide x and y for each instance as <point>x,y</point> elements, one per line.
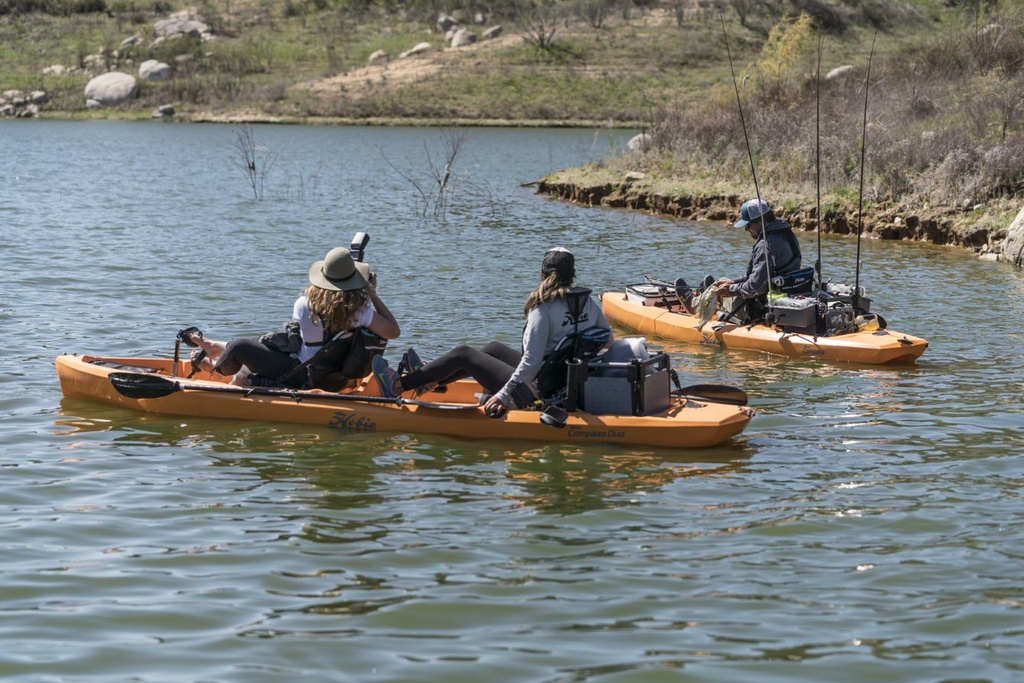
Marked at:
<point>312,330</point>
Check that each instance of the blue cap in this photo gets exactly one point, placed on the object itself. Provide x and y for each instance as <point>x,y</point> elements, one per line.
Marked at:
<point>751,211</point>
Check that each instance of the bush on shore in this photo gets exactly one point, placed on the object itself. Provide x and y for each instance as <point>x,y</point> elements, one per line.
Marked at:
<point>945,119</point>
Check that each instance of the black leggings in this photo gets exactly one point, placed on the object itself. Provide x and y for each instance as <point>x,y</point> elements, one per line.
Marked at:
<point>257,358</point>
<point>492,366</point>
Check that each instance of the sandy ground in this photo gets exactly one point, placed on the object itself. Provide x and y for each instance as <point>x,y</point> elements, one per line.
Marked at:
<point>398,72</point>
<point>441,61</point>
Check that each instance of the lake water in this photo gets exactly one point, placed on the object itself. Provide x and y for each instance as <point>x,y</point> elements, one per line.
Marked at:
<point>867,526</point>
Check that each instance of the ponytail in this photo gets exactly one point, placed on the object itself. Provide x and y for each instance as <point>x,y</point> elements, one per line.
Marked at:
<point>549,289</point>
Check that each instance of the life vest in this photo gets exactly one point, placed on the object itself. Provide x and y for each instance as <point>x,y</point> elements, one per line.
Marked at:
<point>577,345</point>
<point>343,357</point>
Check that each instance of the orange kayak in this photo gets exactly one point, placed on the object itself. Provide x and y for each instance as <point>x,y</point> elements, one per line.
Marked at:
<point>149,385</point>
<point>667,321</point>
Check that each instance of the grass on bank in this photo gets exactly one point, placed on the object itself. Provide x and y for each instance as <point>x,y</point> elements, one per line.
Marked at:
<point>944,134</point>
<point>616,72</point>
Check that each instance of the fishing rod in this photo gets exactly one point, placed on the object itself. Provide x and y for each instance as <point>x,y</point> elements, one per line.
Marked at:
<point>855,298</point>
<point>750,157</point>
<point>817,150</point>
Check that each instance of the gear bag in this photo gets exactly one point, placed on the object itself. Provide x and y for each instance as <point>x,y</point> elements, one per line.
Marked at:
<point>286,340</point>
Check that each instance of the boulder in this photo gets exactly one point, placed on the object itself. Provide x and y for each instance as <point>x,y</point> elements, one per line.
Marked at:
<point>178,25</point>
<point>378,57</point>
<point>463,37</point>
<point>111,89</point>
<point>1013,245</point>
<point>55,70</point>
<point>152,70</point>
<point>164,111</point>
<point>640,143</point>
<point>446,22</point>
<point>96,63</point>
<point>492,32</point>
<point>417,49</point>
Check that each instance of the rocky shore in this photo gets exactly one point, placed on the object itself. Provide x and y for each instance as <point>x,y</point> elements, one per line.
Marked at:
<point>993,233</point>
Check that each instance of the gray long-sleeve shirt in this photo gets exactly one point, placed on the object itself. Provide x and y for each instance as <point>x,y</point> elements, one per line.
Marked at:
<point>546,324</point>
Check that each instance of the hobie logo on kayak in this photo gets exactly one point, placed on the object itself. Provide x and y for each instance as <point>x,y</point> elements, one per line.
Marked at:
<point>352,423</point>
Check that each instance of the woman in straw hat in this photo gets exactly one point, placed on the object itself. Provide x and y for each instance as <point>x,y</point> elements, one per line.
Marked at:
<point>341,296</point>
<point>503,371</point>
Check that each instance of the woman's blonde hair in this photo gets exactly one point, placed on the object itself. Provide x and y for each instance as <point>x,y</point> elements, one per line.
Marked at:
<point>549,289</point>
<point>336,309</point>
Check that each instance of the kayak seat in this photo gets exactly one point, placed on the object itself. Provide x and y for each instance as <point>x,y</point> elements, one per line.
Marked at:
<point>798,282</point>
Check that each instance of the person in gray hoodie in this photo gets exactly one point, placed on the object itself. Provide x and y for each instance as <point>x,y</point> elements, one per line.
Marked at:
<point>510,375</point>
<point>774,245</point>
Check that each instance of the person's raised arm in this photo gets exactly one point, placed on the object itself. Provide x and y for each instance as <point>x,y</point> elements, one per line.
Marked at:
<point>383,323</point>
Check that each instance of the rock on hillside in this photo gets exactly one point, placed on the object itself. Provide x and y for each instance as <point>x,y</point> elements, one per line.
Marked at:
<point>111,89</point>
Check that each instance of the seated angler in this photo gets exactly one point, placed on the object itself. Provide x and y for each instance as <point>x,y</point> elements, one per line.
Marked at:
<point>341,298</point>
<point>553,310</point>
<point>776,252</point>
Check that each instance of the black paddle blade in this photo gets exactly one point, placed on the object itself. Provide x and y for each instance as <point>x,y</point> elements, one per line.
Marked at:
<point>716,393</point>
<point>136,385</point>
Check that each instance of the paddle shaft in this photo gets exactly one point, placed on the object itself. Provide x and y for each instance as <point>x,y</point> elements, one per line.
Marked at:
<point>142,386</point>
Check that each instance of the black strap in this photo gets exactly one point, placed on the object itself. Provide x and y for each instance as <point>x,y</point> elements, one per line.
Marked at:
<point>301,367</point>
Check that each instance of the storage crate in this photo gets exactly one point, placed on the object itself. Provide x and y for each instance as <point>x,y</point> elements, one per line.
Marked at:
<point>845,294</point>
<point>633,388</point>
<point>795,312</point>
<point>650,294</point>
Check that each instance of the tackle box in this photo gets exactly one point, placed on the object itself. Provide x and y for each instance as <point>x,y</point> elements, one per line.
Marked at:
<point>845,294</point>
<point>650,294</point>
<point>633,388</point>
<point>797,312</point>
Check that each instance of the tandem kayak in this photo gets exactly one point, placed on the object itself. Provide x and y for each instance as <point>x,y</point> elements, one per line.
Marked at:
<point>650,310</point>
<point>705,416</point>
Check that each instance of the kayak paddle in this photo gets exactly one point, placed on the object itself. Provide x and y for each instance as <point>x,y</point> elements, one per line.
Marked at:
<point>142,386</point>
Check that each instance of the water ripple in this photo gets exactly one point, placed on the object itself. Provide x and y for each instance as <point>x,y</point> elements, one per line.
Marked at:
<point>867,524</point>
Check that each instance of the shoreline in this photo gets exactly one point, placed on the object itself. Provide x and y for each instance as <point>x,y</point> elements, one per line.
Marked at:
<point>943,226</point>
<point>258,118</point>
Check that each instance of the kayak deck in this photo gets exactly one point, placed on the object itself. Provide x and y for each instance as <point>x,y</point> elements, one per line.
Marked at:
<point>687,423</point>
<point>876,347</point>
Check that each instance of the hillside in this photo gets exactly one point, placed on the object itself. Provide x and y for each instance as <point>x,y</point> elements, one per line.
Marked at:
<point>944,132</point>
<point>278,60</point>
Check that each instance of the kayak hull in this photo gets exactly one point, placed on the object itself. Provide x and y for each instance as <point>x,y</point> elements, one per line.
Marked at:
<point>879,347</point>
<point>688,423</point>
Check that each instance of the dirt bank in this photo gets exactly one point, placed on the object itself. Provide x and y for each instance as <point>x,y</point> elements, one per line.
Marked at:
<point>968,228</point>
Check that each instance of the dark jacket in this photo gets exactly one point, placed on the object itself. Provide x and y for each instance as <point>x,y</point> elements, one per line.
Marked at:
<point>785,255</point>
